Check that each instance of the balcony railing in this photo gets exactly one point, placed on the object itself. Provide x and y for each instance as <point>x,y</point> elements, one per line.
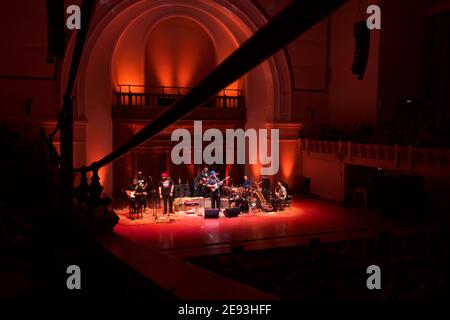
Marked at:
<point>157,96</point>
<point>396,156</point>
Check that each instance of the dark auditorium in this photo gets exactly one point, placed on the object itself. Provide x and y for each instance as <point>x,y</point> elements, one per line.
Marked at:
<point>225,158</point>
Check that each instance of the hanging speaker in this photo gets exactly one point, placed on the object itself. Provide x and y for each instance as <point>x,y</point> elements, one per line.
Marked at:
<point>362,48</point>
<point>56,22</point>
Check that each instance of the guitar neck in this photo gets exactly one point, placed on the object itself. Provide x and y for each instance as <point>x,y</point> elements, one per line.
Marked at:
<point>216,185</point>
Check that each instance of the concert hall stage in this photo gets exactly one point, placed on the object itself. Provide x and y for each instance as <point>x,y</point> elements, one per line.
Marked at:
<point>192,235</point>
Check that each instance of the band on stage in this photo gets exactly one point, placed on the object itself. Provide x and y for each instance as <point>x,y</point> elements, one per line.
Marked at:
<point>143,193</point>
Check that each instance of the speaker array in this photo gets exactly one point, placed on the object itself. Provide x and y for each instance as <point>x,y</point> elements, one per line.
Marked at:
<point>362,47</point>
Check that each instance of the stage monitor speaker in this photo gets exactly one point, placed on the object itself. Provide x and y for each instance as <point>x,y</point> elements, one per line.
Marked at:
<point>362,47</point>
<point>232,212</point>
<point>212,213</point>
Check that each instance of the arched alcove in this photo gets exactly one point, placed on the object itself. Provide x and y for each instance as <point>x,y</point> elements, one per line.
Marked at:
<point>115,54</point>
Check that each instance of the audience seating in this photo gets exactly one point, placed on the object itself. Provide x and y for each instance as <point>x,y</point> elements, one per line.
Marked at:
<point>414,267</point>
<point>419,128</point>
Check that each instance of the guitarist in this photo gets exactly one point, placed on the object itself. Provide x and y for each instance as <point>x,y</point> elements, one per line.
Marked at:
<point>204,174</point>
<point>202,179</point>
<point>213,184</point>
<point>280,196</point>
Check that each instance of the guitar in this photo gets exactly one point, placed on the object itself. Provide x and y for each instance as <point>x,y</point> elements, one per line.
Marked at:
<point>133,194</point>
<point>216,186</point>
<point>280,193</point>
<point>201,182</point>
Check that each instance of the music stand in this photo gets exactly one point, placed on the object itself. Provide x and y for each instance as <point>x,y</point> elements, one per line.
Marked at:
<point>154,203</point>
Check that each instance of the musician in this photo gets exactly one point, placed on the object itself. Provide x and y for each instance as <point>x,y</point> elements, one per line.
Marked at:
<point>280,196</point>
<point>203,180</point>
<point>247,184</point>
<point>140,193</point>
<point>166,187</point>
<point>200,182</point>
<point>204,174</point>
<point>140,180</point>
<point>214,183</point>
<point>200,189</point>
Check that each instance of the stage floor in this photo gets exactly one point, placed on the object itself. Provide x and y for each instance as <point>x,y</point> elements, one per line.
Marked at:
<point>192,235</point>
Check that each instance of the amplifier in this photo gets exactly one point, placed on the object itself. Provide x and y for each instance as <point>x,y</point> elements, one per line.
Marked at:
<point>192,203</point>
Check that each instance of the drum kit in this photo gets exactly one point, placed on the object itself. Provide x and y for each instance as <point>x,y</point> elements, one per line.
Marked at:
<point>248,200</point>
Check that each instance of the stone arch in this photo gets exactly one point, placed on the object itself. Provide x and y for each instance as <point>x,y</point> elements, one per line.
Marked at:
<point>268,85</point>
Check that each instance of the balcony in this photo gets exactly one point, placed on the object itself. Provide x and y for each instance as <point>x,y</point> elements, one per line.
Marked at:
<point>394,157</point>
<point>146,102</point>
<point>134,95</point>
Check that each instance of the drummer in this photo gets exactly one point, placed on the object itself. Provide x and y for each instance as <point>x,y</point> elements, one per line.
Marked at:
<point>247,184</point>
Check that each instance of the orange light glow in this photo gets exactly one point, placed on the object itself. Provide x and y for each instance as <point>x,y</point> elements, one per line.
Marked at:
<point>128,71</point>
<point>227,173</point>
<point>135,80</point>
<point>255,170</point>
<point>179,53</point>
<point>191,170</point>
<point>288,158</point>
<point>232,89</point>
